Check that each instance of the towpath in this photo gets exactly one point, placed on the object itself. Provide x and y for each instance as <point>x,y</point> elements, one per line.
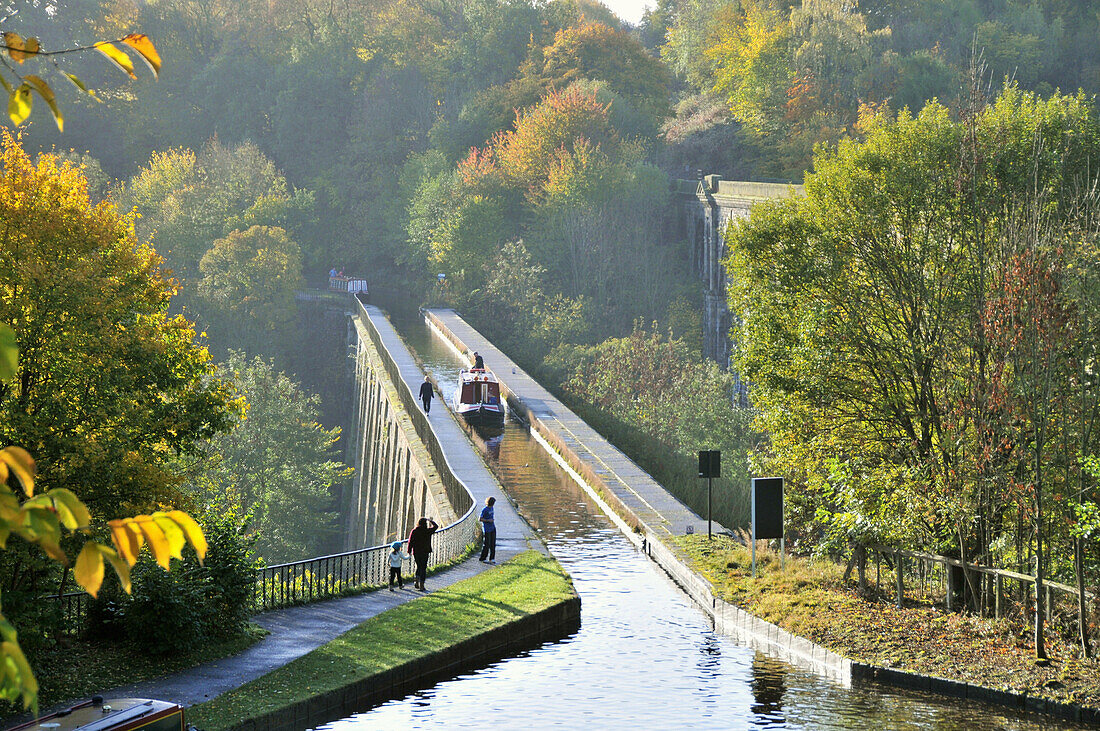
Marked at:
<point>296,631</point>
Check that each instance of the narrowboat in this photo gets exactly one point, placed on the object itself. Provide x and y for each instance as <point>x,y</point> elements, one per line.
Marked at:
<point>477,398</point>
<point>117,714</point>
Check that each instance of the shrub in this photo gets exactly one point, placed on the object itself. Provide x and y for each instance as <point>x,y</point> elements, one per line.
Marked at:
<point>193,602</point>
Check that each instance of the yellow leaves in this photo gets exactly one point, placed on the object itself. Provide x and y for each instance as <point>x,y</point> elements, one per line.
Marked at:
<point>47,95</point>
<point>116,56</point>
<point>141,43</point>
<point>127,538</point>
<point>19,462</point>
<point>19,48</point>
<point>88,570</point>
<point>191,531</point>
<point>166,532</point>
<point>72,513</point>
<point>19,104</point>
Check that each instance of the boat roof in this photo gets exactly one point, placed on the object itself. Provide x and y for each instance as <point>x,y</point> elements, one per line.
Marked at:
<point>472,375</point>
<point>101,715</point>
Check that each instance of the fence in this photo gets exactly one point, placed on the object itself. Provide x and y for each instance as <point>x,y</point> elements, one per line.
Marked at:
<point>301,582</point>
<point>925,576</point>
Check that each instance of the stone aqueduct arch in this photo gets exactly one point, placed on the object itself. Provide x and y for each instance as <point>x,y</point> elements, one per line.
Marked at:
<point>705,207</point>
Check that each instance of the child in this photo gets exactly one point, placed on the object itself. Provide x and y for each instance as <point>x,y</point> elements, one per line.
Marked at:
<point>396,557</point>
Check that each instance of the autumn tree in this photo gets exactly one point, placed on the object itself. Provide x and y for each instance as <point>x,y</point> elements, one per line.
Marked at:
<point>861,315</point>
<point>109,386</point>
<point>247,287</point>
<point>186,200</point>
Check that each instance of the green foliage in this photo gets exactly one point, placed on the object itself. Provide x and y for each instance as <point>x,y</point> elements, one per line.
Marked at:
<point>869,329</point>
<point>247,287</point>
<point>187,201</point>
<point>109,385</point>
<point>277,465</point>
<point>194,603</point>
<point>658,386</point>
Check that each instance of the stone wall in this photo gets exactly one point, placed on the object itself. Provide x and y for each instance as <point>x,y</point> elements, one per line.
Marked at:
<point>396,481</point>
<point>705,207</point>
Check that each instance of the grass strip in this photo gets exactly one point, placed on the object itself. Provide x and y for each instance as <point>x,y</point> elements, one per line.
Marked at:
<point>810,599</point>
<point>524,585</point>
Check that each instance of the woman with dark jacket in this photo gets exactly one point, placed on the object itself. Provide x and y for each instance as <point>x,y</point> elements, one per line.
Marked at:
<point>420,546</point>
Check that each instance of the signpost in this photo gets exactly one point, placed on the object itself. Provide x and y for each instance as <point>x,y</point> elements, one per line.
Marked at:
<point>710,466</point>
<point>767,513</point>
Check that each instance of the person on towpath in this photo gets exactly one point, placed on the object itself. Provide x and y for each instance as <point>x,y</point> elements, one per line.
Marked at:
<point>426,394</point>
<point>420,546</point>
<point>489,529</point>
<point>396,557</point>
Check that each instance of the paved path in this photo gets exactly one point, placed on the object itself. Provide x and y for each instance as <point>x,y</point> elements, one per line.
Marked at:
<point>297,630</point>
<point>634,487</point>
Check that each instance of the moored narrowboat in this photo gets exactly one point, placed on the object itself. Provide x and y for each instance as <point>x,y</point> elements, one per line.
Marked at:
<point>116,714</point>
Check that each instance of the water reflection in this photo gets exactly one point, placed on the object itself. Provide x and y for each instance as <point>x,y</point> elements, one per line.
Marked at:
<point>768,685</point>
<point>645,657</point>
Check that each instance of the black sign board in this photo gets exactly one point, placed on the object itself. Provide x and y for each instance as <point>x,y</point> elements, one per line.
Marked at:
<point>767,507</point>
<point>710,463</point>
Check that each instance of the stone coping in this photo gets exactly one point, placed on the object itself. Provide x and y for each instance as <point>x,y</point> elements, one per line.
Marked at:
<point>730,619</point>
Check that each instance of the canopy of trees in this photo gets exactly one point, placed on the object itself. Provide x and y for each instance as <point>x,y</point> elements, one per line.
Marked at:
<point>920,331</point>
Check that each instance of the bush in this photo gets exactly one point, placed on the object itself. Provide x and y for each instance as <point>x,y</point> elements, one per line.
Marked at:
<point>193,602</point>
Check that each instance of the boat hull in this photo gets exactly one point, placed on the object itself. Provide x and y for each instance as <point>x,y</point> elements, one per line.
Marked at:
<point>483,415</point>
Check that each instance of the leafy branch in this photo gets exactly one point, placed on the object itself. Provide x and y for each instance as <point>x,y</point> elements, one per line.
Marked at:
<point>20,49</point>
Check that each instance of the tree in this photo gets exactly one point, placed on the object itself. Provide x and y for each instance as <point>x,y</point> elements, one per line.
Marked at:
<point>39,519</point>
<point>247,286</point>
<point>861,317</point>
<point>278,464</point>
<point>187,201</point>
<point>597,52</point>
<point>109,385</point>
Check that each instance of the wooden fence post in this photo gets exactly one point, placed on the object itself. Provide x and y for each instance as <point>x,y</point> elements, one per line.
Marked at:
<point>998,586</point>
<point>898,568</point>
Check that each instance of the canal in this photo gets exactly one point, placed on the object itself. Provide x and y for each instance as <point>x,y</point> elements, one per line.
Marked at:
<point>645,656</point>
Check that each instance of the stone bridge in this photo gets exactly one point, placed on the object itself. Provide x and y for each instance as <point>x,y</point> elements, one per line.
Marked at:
<point>704,207</point>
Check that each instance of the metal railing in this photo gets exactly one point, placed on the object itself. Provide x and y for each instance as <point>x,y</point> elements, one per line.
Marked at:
<point>301,582</point>
<point>902,574</point>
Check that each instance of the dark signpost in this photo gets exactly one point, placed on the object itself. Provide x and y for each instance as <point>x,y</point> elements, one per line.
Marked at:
<point>767,512</point>
<point>710,466</point>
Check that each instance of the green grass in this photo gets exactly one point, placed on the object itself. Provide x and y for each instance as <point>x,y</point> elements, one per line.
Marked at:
<point>524,585</point>
<point>811,599</point>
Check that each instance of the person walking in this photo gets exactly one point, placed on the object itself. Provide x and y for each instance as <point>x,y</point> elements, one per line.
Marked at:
<point>420,546</point>
<point>396,557</point>
<point>489,530</point>
<point>426,394</point>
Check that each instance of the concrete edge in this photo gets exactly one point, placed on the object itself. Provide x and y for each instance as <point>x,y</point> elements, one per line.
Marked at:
<point>731,620</point>
<point>546,625</point>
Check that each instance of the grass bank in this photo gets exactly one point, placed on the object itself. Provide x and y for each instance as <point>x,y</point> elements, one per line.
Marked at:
<point>418,632</point>
<point>811,599</point>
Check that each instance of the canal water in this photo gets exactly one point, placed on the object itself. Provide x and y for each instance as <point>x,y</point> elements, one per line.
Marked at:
<point>645,656</point>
